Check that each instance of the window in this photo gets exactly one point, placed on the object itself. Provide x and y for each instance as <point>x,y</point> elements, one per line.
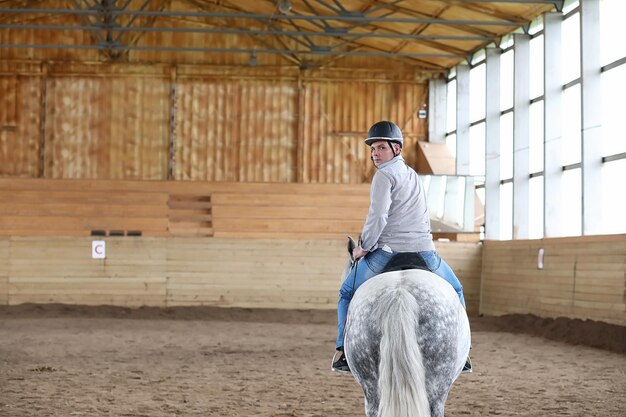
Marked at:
<point>612,45</point>
<point>613,206</point>
<point>572,202</point>
<point>451,107</point>
<point>536,67</point>
<point>506,211</point>
<point>477,93</point>
<point>613,105</point>
<point>571,48</point>
<point>506,146</point>
<point>477,149</point>
<point>506,80</point>
<point>571,140</point>
<point>535,196</point>
<point>535,141</point>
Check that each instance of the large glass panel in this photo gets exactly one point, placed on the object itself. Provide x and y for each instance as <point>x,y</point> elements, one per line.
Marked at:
<point>451,107</point>
<point>613,203</point>
<point>477,149</point>
<point>535,203</point>
<point>506,80</point>
<point>571,196</point>
<point>506,211</point>
<point>535,151</point>
<point>570,32</point>
<point>612,45</point>
<point>506,146</point>
<point>536,67</point>
<point>451,144</point>
<point>477,92</point>
<point>571,142</point>
<point>451,202</point>
<point>613,109</point>
<point>570,5</point>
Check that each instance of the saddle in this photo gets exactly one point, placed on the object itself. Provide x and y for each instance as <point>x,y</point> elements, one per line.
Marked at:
<point>406,260</point>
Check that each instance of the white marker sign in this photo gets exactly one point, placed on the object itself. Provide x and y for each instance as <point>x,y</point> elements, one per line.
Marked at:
<point>98,249</point>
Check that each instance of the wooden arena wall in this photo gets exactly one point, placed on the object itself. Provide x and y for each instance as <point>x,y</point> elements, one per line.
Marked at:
<point>582,277</point>
<point>82,120</point>
<point>227,272</point>
<point>225,244</point>
<point>192,233</point>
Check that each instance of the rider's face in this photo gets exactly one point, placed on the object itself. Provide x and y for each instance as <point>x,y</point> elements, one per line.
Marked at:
<point>381,152</point>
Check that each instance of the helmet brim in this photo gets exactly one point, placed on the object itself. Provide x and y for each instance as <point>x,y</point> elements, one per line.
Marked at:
<point>369,141</point>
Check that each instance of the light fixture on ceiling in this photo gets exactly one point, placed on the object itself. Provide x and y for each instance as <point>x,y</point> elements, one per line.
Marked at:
<point>284,6</point>
<point>252,62</point>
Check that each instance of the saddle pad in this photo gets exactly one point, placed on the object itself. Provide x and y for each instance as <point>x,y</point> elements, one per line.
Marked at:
<point>406,260</point>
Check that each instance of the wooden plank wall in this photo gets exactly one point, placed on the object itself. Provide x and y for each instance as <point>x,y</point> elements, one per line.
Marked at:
<point>42,207</point>
<point>252,273</point>
<point>465,259</point>
<point>72,120</point>
<point>583,277</point>
<point>60,270</point>
<point>263,273</point>
<point>4,270</point>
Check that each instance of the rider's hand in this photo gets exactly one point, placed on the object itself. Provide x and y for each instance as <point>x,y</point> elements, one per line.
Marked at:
<point>358,253</point>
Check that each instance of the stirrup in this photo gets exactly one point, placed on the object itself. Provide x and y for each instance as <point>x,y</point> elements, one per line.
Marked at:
<point>333,360</point>
<point>467,368</point>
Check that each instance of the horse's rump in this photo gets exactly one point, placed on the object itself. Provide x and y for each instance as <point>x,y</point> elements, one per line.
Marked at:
<point>406,334</point>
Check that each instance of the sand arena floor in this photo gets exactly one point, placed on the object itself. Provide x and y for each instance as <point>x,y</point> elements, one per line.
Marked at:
<point>102,361</point>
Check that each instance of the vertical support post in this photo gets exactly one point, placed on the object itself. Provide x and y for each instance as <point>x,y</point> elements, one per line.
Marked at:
<point>300,114</point>
<point>43,99</point>
<point>552,110</point>
<point>521,134</point>
<point>171,161</point>
<point>462,120</point>
<point>492,145</point>
<point>437,95</point>
<point>591,121</point>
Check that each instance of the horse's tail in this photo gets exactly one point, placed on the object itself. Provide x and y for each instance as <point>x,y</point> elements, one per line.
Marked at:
<point>401,383</point>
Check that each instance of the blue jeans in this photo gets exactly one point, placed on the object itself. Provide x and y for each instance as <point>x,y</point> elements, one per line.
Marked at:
<point>373,264</point>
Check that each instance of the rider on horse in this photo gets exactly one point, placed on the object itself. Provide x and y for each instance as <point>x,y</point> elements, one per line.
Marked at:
<point>397,221</point>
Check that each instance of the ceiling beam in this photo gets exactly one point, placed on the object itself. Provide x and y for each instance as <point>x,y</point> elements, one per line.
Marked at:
<point>350,18</point>
<point>313,51</point>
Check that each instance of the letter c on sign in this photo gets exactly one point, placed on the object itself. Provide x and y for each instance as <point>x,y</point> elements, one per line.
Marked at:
<point>98,249</point>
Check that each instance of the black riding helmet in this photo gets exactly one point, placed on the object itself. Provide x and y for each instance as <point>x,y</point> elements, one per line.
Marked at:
<point>384,130</point>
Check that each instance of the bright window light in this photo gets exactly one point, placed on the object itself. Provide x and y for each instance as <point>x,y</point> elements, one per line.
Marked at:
<point>571,141</point>
<point>535,191</point>
<point>536,67</point>
<point>613,105</point>
<point>477,149</point>
<point>613,205</point>
<point>536,137</point>
<point>572,202</point>
<point>506,146</point>
<point>570,35</point>
<point>506,211</point>
<point>612,45</point>
<point>451,107</point>
<point>506,80</point>
<point>477,92</point>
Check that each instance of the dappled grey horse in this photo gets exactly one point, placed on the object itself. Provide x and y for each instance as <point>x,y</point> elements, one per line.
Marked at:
<point>406,340</point>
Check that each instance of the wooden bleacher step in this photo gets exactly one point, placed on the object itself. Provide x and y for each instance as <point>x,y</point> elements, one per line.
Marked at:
<point>190,215</point>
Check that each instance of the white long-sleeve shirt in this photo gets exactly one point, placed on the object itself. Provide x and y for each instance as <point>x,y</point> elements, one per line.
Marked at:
<point>398,215</point>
